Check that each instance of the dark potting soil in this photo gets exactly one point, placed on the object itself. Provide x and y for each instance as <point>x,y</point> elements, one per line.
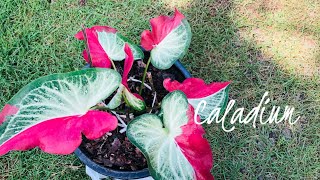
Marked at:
<point>114,150</point>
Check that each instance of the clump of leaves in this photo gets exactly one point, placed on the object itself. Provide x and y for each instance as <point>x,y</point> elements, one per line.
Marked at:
<point>54,111</point>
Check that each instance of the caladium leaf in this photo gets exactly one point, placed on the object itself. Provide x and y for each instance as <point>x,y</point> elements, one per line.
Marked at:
<point>52,111</point>
<point>136,50</point>
<point>105,42</point>
<point>172,143</point>
<point>196,149</point>
<point>132,99</point>
<point>215,94</point>
<point>168,41</point>
<point>116,99</point>
<point>58,135</point>
<point>135,101</point>
<point>98,57</point>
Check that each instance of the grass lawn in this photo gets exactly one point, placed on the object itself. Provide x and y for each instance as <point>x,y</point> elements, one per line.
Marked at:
<point>260,45</point>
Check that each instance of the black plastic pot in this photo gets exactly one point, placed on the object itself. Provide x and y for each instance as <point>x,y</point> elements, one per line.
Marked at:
<point>117,173</point>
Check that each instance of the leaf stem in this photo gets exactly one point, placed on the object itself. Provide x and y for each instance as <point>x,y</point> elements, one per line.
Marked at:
<point>144,76</point>
<point>86,44</point>
<point>113,65</point>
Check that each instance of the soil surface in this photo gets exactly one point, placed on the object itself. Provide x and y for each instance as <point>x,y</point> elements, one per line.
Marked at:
<point>114,150</point>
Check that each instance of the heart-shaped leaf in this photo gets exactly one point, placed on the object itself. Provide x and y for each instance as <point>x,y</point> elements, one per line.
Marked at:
<point>172,143</point>
<point>168,41</point>
<point>215,94</point>
<point>52,111</point>
<point>105,42</point>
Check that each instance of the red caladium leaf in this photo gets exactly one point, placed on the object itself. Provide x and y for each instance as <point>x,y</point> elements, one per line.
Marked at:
<point>214,94</point>
<point>168,41</point>
<point>194,87</point>
<point>106,43</point>
<point>161,27</point>
<point>192,142</point>
<point>133,99</point>
<point>127,65</point>
<point>172,143</point>
<point>52,111</point>
<point>61,135</point>
<point>98,57</point>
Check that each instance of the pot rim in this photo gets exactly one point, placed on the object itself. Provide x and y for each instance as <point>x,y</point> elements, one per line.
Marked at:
<point>118,173</point>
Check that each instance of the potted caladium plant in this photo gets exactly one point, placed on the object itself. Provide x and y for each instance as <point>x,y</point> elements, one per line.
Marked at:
<point>129,114</point>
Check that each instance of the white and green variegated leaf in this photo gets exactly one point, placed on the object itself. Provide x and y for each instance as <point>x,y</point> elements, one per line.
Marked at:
<point>172,47</point>
<point>155,137</point>
<point>174,108</point>
<point>58,95</point>
<point>116,99</point>
<point>133,101</point>
<point>214,101</point>
<point>113,45</point>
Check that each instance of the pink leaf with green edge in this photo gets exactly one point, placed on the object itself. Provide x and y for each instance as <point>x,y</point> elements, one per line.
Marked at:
<point>214,94</point>
<point>194,87</point>
<point>98,57</point>
<point>172,143</point>
<point>45,109</point>
<point>61,135</point>
<point>108,29</point>
<point>106,43</point>
<point>168,41</point>
<point>161,26</point>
